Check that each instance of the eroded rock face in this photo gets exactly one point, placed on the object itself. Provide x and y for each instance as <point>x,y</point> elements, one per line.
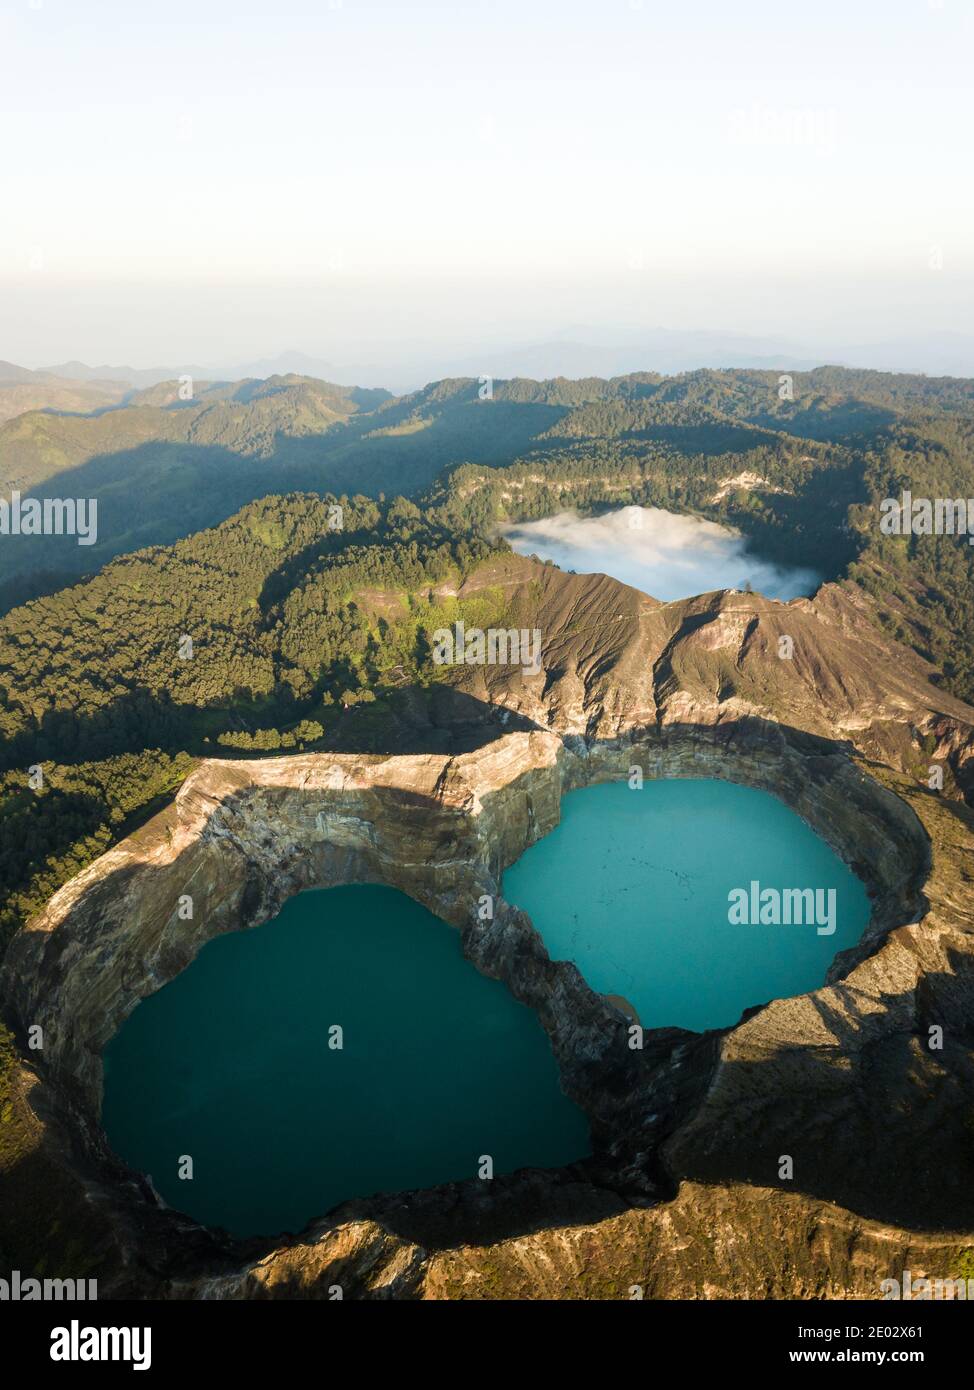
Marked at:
<point>689,1133</point>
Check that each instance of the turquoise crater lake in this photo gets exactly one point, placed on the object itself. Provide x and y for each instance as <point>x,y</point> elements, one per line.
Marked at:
<point>633,886</point>
<point>230,1064</point>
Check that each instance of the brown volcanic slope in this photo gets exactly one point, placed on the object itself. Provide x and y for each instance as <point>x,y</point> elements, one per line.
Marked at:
<point>682,1196</point>
<point>616,660</point>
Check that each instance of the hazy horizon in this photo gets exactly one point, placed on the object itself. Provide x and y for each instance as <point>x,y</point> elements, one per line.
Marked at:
<point>436,182</point>
<point>578,351</point>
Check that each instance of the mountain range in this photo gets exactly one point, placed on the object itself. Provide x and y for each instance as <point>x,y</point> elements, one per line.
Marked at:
<point>162,467</point>
<point>579,350</point>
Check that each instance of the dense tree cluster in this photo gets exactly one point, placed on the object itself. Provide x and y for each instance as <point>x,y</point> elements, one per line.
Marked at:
<point>251,637</point>
<point>8,1058</point>
<point>924,584</point>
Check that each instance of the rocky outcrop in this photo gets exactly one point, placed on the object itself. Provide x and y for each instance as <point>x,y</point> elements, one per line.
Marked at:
<point>684,1194</point>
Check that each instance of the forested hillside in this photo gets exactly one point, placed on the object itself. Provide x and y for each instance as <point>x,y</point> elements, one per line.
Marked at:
<point>299,631</point>
<point>161,467</point>
<point>257,636</point>
<point>924,585</point>
<point>22,390</point>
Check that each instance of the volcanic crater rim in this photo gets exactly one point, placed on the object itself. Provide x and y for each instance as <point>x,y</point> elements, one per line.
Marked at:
<point>248,835</point>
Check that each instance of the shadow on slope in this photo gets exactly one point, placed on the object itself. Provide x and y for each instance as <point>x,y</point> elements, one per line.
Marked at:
<point>161,491</point>
<point>876,1121</point>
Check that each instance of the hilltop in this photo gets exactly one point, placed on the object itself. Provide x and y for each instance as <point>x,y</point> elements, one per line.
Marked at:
<point>162,467</point>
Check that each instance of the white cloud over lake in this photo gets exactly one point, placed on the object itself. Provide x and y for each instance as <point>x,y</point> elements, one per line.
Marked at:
<point>665,555</point>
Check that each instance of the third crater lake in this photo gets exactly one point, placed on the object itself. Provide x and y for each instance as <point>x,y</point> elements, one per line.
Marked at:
<point>665,554</point>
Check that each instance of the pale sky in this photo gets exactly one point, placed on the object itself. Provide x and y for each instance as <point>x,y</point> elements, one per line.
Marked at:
<point>207,180</point>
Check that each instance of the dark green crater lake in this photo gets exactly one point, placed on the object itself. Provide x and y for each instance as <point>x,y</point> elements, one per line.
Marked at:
<point>682,897</point>
<point>231,1065</point>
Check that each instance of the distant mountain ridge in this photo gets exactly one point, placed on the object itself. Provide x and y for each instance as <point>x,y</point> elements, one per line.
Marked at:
<point>22,390</point>
<point>668,351</point>
<point>143,378</point>
<point>581,350</point>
